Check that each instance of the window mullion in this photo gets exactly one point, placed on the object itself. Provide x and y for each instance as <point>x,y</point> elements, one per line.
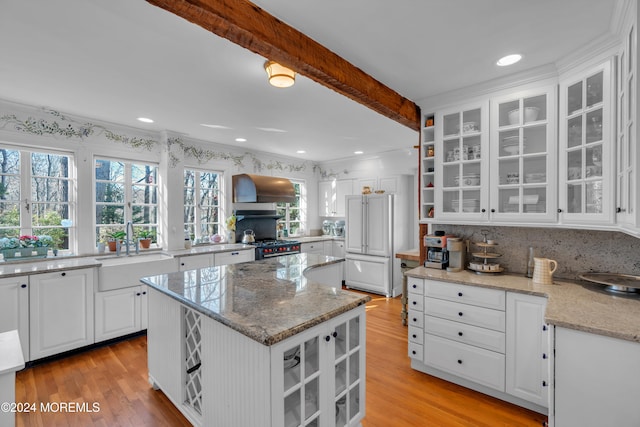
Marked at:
<point>26,207</point>
<point>128,193</point>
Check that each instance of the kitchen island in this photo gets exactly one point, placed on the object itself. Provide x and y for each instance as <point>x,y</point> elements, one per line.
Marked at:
<point>258,343</point>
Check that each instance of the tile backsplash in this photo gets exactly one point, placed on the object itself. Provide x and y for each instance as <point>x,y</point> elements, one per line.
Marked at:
<point>576,251</point>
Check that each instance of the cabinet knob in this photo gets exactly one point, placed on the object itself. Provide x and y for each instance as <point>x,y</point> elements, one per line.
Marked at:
<point>137,294</point>
<point>483,210</point>
<point>493,210</point>
<point>460,313</point>
<point>414,336</point>
<point>144,293</point>
<point>327,338</point>
<point>24,285</point>
<point>544,355</point>
<point>414,302</point>
<point>559,210</point>
<point>459,294</point>
<point>544,327</point>
<point>459,334</point>
<point>618,210</point>
<point>63,274</point>
<point>544,383</point>
<point>182,264</point>
<point>413,352</point>
<point>334,334</point>
<point>459,361</point>
<point>414,319</point>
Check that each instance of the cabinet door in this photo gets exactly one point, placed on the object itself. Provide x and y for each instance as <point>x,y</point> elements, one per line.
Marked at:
<point>60,312</point>
<point>461,180</point>
<point>586,161</point>
<point>14,309</point>
<point>626,152</point>
<point>118,312</point>
<point>326,198</point>
<point>527,357</point>
<point>344,187</point>
<point>312,248</point>
<point>523,157</point>
<point>354,232</point>
<point>377,220</point>
<point>337,249</point>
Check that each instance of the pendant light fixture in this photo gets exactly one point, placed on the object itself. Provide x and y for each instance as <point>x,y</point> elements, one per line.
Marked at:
<point>279,75</point>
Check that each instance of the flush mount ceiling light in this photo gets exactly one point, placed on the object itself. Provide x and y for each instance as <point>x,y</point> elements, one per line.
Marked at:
<point>508,60</point>
<point>279,75</point>
<point>145,120</point>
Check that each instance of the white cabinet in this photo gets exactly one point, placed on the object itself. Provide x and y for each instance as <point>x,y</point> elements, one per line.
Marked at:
<point>120,312</point>
<point>61,312</point>
<point>627,152</point>
<point>319,375</point>
<point>523,157</point>
<point>586,147</point>
<point>415,302</point>
<point>461,162</point>
<point>193,262</point>
<point>528,374</point>
<point>312,248</point>
<point>331,196</point>
<point>597,380</point>
<point>314,378</point>
<point>234,257</point>
<point>14,309</point>
<point>337,248</point>
<point>427,168</point>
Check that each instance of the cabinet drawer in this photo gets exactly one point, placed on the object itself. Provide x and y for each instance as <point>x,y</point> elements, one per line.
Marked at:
<point>416,318</point>
<point>415,285</point>
<point>415,302</point>
<point>475,364</point>
<point>234,257</point>
<point>483,297</point>
<point>416,351</point>
<point>416,335</point>
<point>193,262</point>
<point>469,314</point>
<point>467,334</point>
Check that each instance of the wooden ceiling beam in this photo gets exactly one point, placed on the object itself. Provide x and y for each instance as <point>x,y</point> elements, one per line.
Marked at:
<point>249,26</point>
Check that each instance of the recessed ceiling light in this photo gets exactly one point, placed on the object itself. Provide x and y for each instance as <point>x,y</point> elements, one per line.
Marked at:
<point>272,130</point>
<point>214,126</point>
<point>300,151</point>
<point>508,60</point>
<point>358,152</point>
<point>145,120</point>
<point>241,139</point>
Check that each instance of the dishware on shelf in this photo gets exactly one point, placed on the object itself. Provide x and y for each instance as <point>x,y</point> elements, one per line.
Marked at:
<point>535,177</point>
<point>292,358</point>
<point>513,178</point>
<point>530,115</point>
<point>469,127</point>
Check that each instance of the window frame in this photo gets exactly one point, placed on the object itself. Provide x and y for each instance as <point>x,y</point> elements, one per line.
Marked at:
<point>286,221</point>
<point>195,227</point>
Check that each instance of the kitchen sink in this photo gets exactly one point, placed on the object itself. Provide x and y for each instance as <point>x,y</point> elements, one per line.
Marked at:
<point>119,272</point>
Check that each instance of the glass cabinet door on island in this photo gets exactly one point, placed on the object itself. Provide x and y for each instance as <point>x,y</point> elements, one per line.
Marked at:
<point>461,152</point>
<point>586,147</point>
<point>523,166</point>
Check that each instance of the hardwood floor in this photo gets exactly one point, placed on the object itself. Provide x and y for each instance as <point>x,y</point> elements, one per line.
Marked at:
<point>115,378</point>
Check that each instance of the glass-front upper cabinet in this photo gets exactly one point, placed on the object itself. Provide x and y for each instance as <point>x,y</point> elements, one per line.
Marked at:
<point>585,184</point>
<point>461,167</point>
<point>522,163</point>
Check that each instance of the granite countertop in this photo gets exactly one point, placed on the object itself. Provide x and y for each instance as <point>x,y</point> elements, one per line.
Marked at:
<point>210,248</point>
<point>309,239</point>
<point>267,300</point>
<point>573,305</point>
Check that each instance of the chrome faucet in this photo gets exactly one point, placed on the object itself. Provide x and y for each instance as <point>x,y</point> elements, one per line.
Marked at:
<point>127,242</point>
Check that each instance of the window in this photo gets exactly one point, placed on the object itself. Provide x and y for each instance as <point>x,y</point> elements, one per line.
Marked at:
<point>294,215</point>
<point>202,202</point>
<point>125,192</point>
<point>36,189</point>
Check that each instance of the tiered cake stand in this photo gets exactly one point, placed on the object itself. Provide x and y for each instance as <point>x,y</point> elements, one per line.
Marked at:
<point>485,266</point>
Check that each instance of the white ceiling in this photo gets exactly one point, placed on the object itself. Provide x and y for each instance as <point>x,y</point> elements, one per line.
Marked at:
<point>118,60</point>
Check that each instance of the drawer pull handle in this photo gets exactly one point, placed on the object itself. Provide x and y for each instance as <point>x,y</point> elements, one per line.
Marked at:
<point>414,302</point>
<point>235,253</point>
<point>544,383</point>
<point>414,335</point>
<point>544,355</point>
<point>413,352</point>
<point>459,334</point>
<point>459,294</point>
<point>460,313</point>
<point>459,361</point>
<point>414,319</point>
<point>63,274</point>
<point>24,285</point>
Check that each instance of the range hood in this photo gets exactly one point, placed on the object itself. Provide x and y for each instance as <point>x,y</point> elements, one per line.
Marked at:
<point>249,188</point>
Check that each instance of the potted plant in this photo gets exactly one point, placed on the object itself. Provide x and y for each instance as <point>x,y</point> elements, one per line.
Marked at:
<point>145,237</point>
<point>114,238</point>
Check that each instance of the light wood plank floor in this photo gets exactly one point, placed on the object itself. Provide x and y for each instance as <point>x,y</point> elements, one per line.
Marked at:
<point>115,377</point>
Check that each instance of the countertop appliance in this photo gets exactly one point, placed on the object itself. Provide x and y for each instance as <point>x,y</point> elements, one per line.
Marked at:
<point>437,255</point>
<point>262,224</point>
<point>338,228</point>
<point>371,239</point>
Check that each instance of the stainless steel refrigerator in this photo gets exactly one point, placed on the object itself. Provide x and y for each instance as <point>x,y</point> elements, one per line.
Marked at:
<point>370,245</point>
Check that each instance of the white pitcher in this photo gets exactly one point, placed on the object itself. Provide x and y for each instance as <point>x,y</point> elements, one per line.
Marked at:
<point>542,270</point>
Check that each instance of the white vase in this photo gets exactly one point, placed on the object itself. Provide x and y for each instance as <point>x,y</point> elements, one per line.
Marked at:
<point>231,236</point>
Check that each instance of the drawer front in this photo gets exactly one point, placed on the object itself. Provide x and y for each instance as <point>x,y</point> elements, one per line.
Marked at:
<point>416,351</point>
<point>415,286</point>
<point>474,295</point>
<point>467,334</point>
<point>416,335</point>
<point>234,257</point>
<point>469,314</point>
<point>416,302</point>
<point>475,364</point>
<point>416,318</point>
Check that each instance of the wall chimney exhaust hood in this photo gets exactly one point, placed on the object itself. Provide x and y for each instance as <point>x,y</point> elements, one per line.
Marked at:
<point>249,188</point>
